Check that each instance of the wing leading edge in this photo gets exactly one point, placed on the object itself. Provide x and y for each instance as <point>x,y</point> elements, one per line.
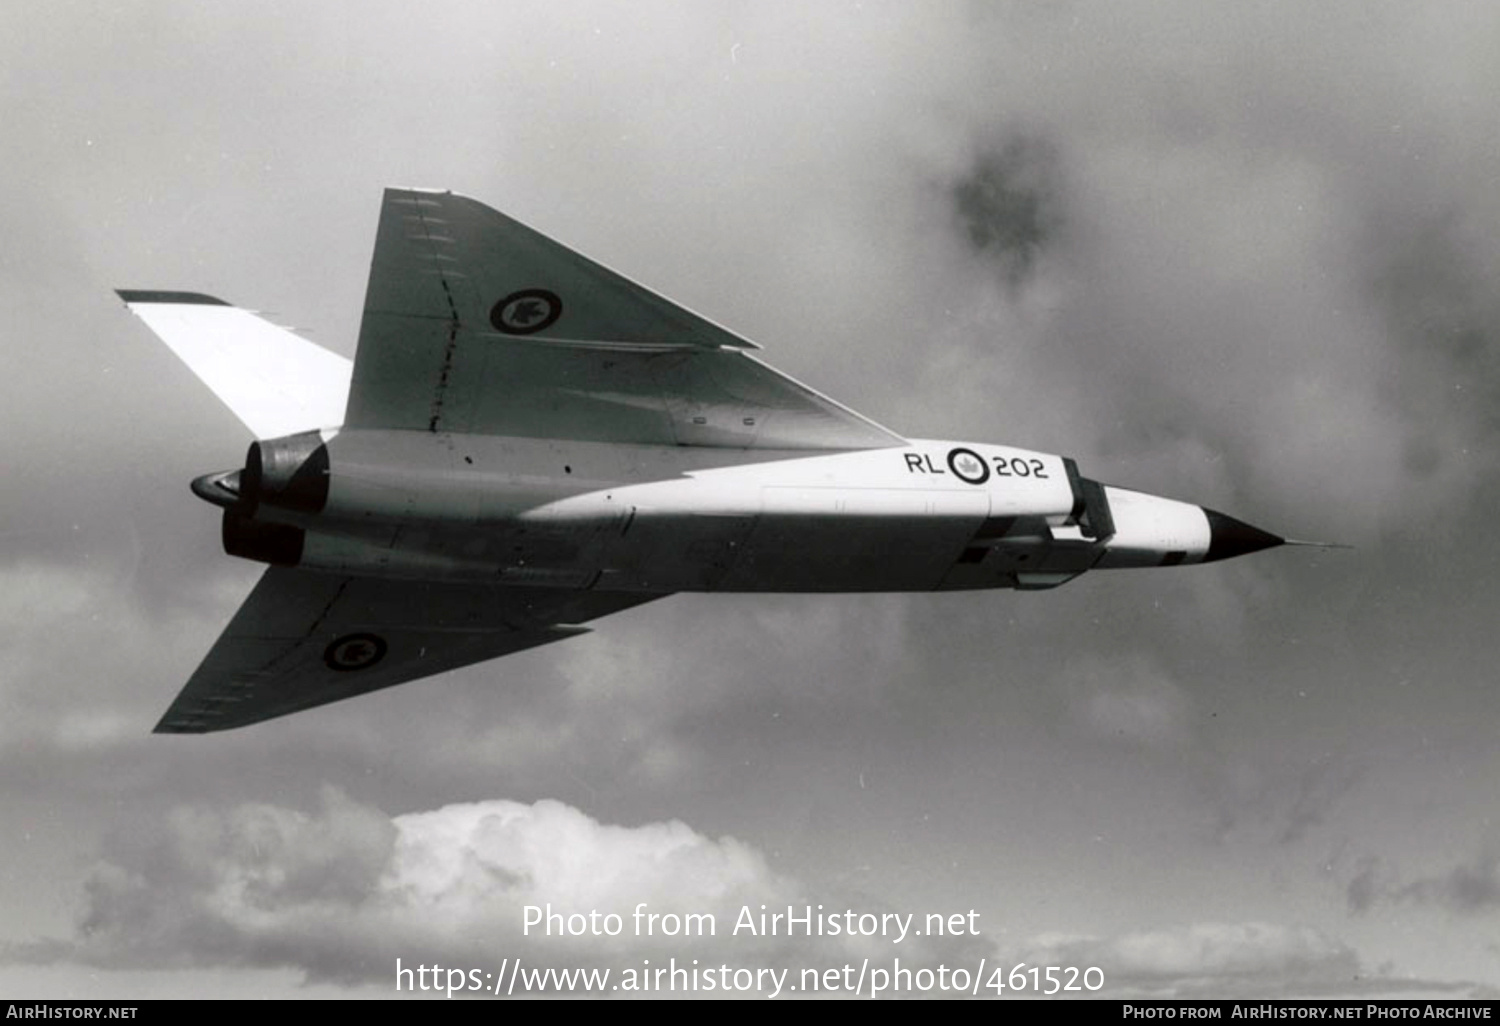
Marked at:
<point>304,639</point>
<point>475,323</point>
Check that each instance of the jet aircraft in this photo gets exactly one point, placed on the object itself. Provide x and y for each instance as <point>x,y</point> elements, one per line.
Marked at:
<point>526,441</point>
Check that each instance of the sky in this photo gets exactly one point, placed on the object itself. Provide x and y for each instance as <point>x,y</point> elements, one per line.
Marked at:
<point>1242,255</point>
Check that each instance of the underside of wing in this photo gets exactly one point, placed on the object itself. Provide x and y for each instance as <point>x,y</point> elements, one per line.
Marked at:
<point>304,639</point>
<point>475,323</point>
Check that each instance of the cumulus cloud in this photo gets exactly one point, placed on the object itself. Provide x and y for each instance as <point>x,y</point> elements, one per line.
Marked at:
<point>338,894</point>
<point>342,892</point>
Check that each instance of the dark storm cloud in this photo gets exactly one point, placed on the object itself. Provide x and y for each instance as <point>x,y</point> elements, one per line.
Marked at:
<point>1008,202</point>
<point>1280,803</point>
<point>1365,887</point>
<point>1474,887</point>
<point>1469,888</point>
<point>1245,298</point>
<point>1435,283</point>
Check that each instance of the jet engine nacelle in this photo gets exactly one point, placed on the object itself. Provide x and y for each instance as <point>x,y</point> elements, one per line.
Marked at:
<point>262,540</point>
<point>288,473</point>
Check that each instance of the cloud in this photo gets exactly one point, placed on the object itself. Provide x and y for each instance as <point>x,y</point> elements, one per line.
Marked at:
<point>1287,800</point>
<point>1365,888</point>
<point>67,629</point>
<point>1007,202</point>
<point>1210,957</point>
<point>1265,248</point>
<point>1430,275</point>
<point>1224,960</point>
<point>1128,699</point>
<point>338,894</point>
<point>1136,700</point>
<point>342,892</point>
<point>1469,888</point>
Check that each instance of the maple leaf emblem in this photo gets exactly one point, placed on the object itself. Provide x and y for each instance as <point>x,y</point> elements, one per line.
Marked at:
<point>524,311</point>
<point>356,652</point>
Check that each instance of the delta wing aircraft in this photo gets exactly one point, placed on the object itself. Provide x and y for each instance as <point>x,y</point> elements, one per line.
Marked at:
<point>527,441</point>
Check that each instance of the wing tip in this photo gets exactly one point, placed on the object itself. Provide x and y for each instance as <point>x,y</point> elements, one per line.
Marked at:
<point>178,727</point>
<point>191,723</point>
<point>132,296</point>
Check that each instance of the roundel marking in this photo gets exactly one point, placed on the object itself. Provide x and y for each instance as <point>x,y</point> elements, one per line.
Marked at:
<point>526,312</point>
<point>967,465</point>
<point>354,652</point>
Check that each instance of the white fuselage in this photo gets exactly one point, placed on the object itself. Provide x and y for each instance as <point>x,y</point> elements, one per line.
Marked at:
<point>928,515</point>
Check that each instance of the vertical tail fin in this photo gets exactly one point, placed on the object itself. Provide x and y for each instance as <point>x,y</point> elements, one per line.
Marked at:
<point>276,382</point>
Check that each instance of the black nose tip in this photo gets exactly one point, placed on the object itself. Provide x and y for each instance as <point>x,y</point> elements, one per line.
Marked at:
<point>1228,537</point>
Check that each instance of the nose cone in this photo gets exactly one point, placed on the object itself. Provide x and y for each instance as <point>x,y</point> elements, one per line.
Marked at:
<point>1229,537</point>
